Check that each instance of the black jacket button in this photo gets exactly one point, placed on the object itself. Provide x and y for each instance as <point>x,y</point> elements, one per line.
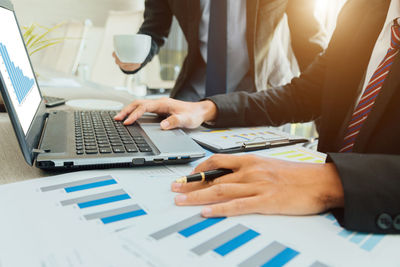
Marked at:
<point>384,221</point>
<point>396,223</point>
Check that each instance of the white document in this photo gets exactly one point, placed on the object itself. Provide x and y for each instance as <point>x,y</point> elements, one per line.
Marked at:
<point>110,217</point>
<point>181,237</point>
<point>235,137</point>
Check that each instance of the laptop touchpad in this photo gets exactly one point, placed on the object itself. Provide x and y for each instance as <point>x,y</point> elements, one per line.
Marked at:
<point>169,141</point>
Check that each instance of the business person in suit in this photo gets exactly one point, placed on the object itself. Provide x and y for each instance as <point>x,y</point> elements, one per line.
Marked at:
<point>232,36</point>
<point>353,89</point>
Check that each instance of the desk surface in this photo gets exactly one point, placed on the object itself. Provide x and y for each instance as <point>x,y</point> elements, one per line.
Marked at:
<point>12,164</point>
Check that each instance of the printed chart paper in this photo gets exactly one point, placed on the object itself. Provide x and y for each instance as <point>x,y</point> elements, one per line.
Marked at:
<point>127,217</point>
<point>236,137</point>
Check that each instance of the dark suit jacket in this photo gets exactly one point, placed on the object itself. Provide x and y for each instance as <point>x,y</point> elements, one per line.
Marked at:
<point>327,93</point>
<point>262,19</point>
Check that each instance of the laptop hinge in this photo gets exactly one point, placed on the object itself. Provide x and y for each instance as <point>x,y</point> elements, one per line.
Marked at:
<point>37,151</point>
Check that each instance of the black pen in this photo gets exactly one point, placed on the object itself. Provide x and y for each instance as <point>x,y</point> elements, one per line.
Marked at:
<point>207,176</point>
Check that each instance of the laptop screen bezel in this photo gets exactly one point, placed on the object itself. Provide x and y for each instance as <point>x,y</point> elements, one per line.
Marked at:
<point>30,141</point>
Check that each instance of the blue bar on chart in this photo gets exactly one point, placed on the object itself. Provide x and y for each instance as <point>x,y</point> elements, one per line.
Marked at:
<point>282,258</point>
<point>345,233</point>
<point>187,227</point>
<point>273,255</point>
<point>357,238</point>
<point>83,184</point>
<point>116,215</point>
<point>103,201</point>
<point>200,226</point>
<point>238,241</point>
<point>227,241</point>
<point>123,216</point>
<point>372,242</point>
<point>90,186</point>
<point>22,84</point>
<point>97,199</point>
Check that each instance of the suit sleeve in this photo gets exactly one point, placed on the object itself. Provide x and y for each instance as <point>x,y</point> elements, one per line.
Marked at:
<point>299,101</point>
<point>306,33</point>
<point>157,24</point>
<point>371,185</point>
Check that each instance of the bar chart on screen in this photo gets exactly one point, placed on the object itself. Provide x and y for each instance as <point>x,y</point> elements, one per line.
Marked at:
<point>99,199</point>
<point>21,83</point>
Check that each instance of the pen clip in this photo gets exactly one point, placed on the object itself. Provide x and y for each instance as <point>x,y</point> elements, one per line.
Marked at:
<point>266,143</point>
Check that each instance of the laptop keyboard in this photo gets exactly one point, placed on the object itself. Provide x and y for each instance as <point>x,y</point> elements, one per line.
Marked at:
<point>96,132</point>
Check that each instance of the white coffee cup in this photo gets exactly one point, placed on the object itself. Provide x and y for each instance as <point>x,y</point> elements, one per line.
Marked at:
<point>133,48</point>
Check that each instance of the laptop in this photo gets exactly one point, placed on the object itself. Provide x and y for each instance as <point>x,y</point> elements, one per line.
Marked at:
<point>76,139</point>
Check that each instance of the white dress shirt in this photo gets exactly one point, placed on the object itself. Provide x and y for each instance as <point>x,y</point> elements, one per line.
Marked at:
<point>237,54</point>
<point>383,43</point>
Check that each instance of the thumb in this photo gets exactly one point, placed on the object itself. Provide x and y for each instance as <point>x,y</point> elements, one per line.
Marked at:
<point>172,122</point>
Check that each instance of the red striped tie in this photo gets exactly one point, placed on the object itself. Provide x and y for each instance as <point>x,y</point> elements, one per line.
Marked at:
<point>372,90</point>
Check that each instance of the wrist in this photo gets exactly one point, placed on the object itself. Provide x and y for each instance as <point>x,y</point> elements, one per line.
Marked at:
<point>209,111</point>
<point>333,193</point>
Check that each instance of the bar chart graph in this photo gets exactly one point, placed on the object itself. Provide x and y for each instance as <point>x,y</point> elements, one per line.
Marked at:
<point>119,214</point>
<point>223,241</point>
<point>222,244</point>
<point>187,227</point>
<point>21,83</point>
<point>227,241</point>
<point>82,184</point>
<point>365,241</point>
<point>275,254</point>
<point>97,200</point>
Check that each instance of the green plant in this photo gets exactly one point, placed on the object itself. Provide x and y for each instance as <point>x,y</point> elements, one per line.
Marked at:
<point>37,37</point>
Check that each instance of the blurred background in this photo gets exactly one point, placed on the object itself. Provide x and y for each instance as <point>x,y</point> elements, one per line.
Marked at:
<point>79,41</point>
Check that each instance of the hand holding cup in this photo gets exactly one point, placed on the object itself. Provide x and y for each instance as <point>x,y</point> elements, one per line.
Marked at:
<point>131,50</point>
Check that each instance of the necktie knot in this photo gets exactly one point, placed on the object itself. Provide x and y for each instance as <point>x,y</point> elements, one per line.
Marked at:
<point>395,44</point>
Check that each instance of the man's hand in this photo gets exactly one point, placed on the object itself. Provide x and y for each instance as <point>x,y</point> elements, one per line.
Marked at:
<point>181,114</point>
<point>126,66</point>
<point>265,186</point>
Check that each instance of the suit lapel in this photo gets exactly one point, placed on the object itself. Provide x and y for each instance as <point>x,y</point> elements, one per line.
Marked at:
<point>390,85</point>
<point>350,57</point>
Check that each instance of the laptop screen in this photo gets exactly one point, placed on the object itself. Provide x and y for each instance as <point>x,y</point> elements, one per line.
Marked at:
<point>18,76</point>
